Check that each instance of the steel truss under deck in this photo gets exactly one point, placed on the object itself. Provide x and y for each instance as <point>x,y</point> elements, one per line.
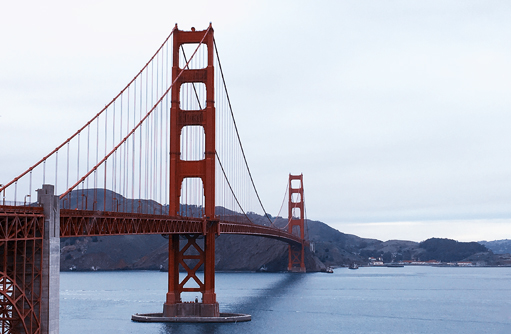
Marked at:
<point>81,223</point>
<point>21,256</point>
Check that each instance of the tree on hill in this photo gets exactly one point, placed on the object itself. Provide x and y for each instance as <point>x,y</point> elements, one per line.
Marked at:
<point>447,250</point>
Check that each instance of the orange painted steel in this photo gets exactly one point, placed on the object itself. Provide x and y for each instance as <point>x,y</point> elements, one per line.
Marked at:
<point>21,234</point>
<point>203,169</point>
<point>22,228</point>
<point>259,230</point>
<point>75,223</point>
<point>21,256</point>
<point>82,223</point>
<point>296,224</point>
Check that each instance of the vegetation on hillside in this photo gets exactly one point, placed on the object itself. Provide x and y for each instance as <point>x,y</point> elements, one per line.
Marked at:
<point>447,250</point>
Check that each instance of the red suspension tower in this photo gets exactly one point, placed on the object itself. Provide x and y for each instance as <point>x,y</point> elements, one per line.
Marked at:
<point>296,223</point>
<point>203,169</point>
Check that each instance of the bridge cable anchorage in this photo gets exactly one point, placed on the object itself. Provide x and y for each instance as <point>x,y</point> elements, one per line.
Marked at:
<point>237,133</point>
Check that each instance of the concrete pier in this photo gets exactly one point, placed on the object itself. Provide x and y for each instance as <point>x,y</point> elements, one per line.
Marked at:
<point>191,310</point>
<point>224,317</point>
<point>51,260</point>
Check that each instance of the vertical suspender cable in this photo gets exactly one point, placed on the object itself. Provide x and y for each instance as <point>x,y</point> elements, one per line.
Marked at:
<point>105,139</point>
<point>56,169</point>
<point>95,201</point>
<point>114,162</point>
<point>236,129</point>
<point>88,153</point>
<point>122,163</point>
<point>140,152</point>
<point>30,185</point>
<point>67,175</point>
<point>167,112</point>
<point>78,166</point>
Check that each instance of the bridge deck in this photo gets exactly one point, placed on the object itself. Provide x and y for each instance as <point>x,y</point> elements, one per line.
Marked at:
<point>75,223</point>
<point>80,223</point>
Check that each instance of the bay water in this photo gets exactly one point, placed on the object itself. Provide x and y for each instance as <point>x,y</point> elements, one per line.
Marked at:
<point>413,299</point>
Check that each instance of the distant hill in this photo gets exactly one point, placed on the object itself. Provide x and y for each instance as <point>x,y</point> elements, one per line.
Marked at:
<point>330,247</point>
<point>447,250</point>
<point>150,252</point>
<point>498,246</point>
<point>251,253</point>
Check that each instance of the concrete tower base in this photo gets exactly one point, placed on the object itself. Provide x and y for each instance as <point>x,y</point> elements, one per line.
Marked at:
<point>191,310</point>
<point>224,317</point>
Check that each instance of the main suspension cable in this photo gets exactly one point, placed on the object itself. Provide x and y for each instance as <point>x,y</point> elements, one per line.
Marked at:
<point>216,153</point>
<point>237,133</point>
<point>43,160</point>
<point>142,119</point>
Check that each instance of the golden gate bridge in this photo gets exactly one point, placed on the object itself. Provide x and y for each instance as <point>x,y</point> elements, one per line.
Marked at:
<point>163,157</point>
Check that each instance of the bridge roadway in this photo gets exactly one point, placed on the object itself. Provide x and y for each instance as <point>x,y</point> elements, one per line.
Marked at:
<point>82,223</point>
<point>79,223</point>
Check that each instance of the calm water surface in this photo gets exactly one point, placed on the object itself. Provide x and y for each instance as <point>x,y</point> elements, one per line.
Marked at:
<point>367,300</point>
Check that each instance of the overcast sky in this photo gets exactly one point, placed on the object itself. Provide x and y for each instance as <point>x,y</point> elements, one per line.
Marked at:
<point>396,112</point>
